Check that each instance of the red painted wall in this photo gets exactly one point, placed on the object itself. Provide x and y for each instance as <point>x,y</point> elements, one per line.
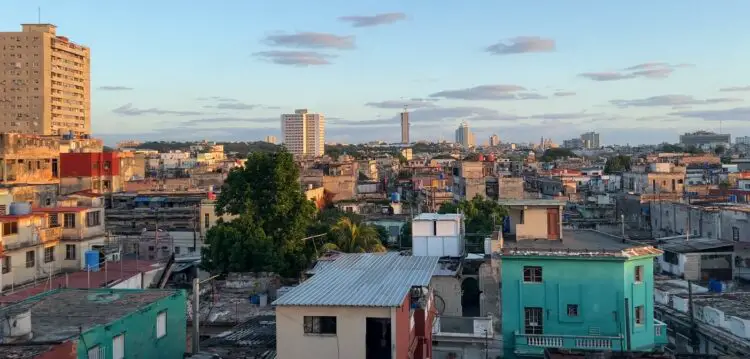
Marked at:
<point>418,340</point>
<point>67,350</point>
<point>89,164</point>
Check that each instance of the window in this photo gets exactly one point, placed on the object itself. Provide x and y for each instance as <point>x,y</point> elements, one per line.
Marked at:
<point>572,310</point>
<point>6,264</point>
<point>671,258</point>
<point>96,352</point>
<point>118,347</point>
<point>640,315</point>
<point>54,220</point>
<point>69,220</point>
<point>320,325</point>
<point>639,274</point>
<point>10,228</point>
<point>532,320</point>
<point>93,219</point>
<point>207,220</point>
<point>161,325</point>
<point>735,234</point>
<point>49,254</point>
<point>532,274</point>
<point>70,252</point>
<point>176,250</point>
<point>30,259</point>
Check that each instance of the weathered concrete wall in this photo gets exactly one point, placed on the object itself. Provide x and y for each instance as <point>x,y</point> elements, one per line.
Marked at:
<point>264,282</point>
<point>510,188</point>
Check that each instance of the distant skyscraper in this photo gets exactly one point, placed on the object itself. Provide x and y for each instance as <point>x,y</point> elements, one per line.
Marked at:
<point>48,78</point>
<point>590,140</point>
<point>304,133</point>
<point>405,127</point>
<point>464,136</point>
<point>494,140</point>
<point>270,139</point>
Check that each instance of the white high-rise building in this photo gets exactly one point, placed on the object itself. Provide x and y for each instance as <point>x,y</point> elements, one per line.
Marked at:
<point>405,127</point>
<point>304,133</point>
<point>464,136</point>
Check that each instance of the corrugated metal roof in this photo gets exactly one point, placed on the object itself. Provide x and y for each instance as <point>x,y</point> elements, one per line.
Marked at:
<point>438,217</point>
<point>363,279</point>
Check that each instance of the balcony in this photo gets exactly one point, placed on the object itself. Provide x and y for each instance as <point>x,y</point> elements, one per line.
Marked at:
<point>463,327</point>
<point>660,333</point>
<point>52,234</point>
<point>534,344</point>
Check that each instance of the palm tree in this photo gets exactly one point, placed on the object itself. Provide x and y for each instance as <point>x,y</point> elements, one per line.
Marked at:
<point>354,238</point>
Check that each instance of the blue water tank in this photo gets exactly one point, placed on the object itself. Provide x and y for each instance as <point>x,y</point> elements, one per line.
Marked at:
<point>441,175</point>
<point>92,261</point>
<point>395,197</point>
<point>19,208</point>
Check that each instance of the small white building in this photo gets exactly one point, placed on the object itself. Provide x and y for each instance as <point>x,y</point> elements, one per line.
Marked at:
<point>438,235</point>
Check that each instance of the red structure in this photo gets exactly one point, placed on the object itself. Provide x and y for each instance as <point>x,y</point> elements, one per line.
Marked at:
<point>96,164</point>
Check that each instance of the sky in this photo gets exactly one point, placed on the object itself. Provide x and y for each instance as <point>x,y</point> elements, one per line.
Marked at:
<point>635,71</point>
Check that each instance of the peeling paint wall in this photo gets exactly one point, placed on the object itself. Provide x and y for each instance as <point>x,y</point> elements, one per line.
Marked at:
<point>28,158</point>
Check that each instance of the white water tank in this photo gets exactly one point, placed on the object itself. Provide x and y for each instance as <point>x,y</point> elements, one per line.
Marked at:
<point>17,327</point>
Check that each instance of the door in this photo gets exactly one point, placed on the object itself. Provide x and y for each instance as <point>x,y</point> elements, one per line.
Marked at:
<point>553,223</point>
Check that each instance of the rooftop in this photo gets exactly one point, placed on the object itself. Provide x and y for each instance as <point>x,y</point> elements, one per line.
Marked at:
<point>24,351</point>
<point>438,217</point>
<point>578,243</point>
<point>64,313</point>
<point>255,338</point>
<point>532,202</point>
<point>115,272</point>
<point>735,304</point>
<point>690,245</point>
<point>363,279</point>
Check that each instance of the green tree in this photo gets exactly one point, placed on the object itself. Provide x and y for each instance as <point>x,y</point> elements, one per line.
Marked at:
<point>273,219</point>
<point>619,163</point>
<point>553,154</point>
<point>351,237</point>
<point>719,150</point>
<point>480,214</point>
<point>404,240</point>
<point>383,234</point>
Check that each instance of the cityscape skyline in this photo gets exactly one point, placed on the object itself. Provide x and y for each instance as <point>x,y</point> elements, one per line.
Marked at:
<point>524,76</point>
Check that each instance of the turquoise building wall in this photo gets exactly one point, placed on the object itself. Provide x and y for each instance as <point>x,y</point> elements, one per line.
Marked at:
<point>598,285</point>
<point>139,328</point>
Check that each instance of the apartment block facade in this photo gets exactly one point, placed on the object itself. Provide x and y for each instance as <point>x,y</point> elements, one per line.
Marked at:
<point>599,300</point>
<point>303,133</point>
<point>45,84</point>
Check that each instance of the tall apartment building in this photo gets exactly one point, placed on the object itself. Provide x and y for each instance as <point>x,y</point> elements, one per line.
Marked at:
<point>304,133</point>
<point>590,140</point>
<point>464,136</point>
<point>45,82</point>
<point>405,127</point>
<point>494,140</point>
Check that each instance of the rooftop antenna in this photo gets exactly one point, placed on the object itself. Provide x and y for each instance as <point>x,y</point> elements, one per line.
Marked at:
<point>39,15</point>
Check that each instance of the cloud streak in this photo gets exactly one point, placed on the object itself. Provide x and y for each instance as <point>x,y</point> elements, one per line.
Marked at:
<point>115,88</point>
<point>413,103</point>
<point>374,20</point>
<point>215,120</point>
<point>129,110</point>
<point>733,114</point>
<point>311,40</point>
<point>522,45</point>
<point>489,92</point>
<point>671,100</point>
<point>649,70</point>
<point>735,89</point>
<point>295,58</point>
<point>564,93</point>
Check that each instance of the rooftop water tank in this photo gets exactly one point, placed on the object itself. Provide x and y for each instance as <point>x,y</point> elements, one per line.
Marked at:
<point>395,197</point>
<point>19,208</point>
<point>16,327</point>
<point>91,261</point>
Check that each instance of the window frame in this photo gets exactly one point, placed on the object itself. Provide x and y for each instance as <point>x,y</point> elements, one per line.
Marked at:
<point>320,325</point>
<point>161,317</point>
<point>49,254</point>
<point>31,263</point>
<point>533,274</point>
<point>122,347</point>
<point>639,274</point>
<point>72,222</point>
<point>68,252</point>
<point>6,263</point>
<point>530,313</point>
<point>573,310</point>
<point>639,315</point>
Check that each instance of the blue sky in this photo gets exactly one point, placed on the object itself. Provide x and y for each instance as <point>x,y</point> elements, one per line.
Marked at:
<point>636,71</point>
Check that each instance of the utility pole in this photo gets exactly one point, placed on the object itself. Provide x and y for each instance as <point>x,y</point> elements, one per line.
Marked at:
<point>196,316</point>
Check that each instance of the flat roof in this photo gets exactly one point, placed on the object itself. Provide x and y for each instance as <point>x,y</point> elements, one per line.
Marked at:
<point>578,243</point>
<point>63,313</point>
<point>438,217</point>
<point>532,202</point>
<point>685,245</point>
<point>254,338</point>
<point>363,280</point>
<point>736,304</point>
<point>24,351</point>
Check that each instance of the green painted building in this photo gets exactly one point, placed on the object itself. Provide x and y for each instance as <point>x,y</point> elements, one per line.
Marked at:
<point>98,324</point>
<point>579,299</point>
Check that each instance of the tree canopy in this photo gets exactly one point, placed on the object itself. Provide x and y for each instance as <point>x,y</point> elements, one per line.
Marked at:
<point>351,237</point>
<point>479,214</point>
<point>553,154</point>
<point>619,163</point>
<point>274,217</point>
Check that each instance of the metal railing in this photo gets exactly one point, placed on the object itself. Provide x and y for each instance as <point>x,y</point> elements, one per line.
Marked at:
<point>660,333</point>
<point>50,234</point>
<point>476,327</point>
